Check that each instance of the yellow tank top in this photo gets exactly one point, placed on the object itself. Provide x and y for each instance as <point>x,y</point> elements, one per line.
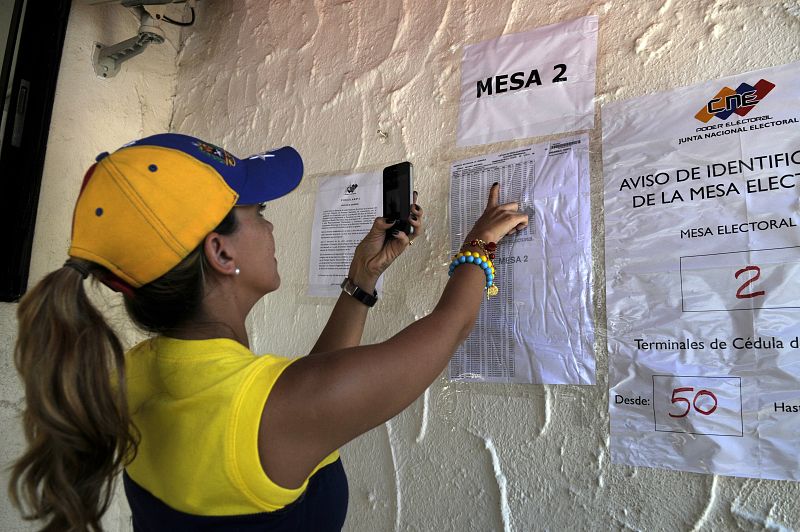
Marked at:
<point>197,405</point>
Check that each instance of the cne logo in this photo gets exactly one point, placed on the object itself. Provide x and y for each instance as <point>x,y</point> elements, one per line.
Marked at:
<point>739,101</point>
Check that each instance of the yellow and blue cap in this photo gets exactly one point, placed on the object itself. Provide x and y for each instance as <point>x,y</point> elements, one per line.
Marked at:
<point>143,208</point>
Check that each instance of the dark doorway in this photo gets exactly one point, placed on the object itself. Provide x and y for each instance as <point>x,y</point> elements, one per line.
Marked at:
<point>31,58</point>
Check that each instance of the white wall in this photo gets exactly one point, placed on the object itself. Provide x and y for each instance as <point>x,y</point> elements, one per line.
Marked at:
<point>90,115</point>
<point>324,76</point>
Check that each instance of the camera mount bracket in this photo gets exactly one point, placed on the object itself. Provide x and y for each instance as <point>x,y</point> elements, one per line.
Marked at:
<point>107,59</point>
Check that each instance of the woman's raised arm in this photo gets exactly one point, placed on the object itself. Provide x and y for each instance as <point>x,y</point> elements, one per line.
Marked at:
<point>321,402</point>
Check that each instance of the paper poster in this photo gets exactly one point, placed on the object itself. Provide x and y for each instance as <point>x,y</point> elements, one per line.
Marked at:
<point>529,84</point>
<point>539,328</point>
<point>702,284</point>
<point>345,210</point>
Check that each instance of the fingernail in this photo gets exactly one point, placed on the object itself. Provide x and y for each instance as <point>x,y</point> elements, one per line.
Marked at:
<point>389,220</point>
<point>395,232</point>
<point>413,216</point>
<point>417,207</point>
<point>495,184</point>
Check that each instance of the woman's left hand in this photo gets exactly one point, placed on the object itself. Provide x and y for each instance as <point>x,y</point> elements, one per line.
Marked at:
<point>374,254</point>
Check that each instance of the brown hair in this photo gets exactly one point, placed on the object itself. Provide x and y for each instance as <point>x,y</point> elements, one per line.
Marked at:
<point>76,420</point>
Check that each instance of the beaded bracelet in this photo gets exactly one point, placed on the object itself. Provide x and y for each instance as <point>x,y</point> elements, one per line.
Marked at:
<point>478,260</point>
<point>488,247</point>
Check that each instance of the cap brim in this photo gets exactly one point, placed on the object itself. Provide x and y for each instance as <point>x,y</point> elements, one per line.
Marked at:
<point>270,175</point>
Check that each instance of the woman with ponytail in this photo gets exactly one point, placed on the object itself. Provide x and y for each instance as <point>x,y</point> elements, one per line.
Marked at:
<point>206,434</point>
<point>67,353</point>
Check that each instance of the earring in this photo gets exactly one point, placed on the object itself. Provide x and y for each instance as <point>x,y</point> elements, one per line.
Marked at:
<point>237,271</point>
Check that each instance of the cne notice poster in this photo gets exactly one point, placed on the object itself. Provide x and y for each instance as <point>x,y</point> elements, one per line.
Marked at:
<point>702,201</point>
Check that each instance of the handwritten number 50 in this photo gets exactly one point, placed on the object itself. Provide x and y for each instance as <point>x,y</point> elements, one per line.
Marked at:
<point>693,404</point>
<point>740,294</point>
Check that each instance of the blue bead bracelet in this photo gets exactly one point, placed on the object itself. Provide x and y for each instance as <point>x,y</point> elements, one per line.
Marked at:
<point>479,260</point>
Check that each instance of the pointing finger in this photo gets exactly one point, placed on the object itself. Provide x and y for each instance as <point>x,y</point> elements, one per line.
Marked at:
<point>494,195</point>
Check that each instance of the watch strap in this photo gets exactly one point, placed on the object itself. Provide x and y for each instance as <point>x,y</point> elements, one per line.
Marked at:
<point>352,289</point>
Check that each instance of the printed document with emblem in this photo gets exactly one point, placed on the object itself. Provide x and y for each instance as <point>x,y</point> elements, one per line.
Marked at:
<point>345,210</point>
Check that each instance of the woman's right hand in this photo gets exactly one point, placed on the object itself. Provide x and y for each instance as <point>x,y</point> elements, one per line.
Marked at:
<point>497,221</point>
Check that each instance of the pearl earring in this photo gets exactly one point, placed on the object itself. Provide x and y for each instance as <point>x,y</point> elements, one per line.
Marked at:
<point>237,271</point>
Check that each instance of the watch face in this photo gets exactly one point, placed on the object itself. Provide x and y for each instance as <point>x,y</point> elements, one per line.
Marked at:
<point>348,286</point>
<point>352,289</point>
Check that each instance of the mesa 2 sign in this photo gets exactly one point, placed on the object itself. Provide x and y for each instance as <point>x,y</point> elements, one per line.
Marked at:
<point>537,82</point>
<point>740,101</point>
<point>517,81</point>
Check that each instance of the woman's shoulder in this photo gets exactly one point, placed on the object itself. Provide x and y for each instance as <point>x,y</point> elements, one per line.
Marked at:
<point>191,366</point>
<point>219,348</point>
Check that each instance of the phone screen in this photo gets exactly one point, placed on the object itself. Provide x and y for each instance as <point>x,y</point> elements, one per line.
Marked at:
<point>397,190</point>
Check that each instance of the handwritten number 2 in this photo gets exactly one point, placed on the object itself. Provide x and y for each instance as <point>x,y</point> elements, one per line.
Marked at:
<point>740,292</point>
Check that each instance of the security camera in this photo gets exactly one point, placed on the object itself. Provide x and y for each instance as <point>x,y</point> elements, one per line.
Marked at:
<point>107,59</point>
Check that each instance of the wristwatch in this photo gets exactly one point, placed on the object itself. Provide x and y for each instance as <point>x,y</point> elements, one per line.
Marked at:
<point>352,289</point>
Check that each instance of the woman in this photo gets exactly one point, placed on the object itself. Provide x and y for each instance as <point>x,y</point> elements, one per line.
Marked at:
<point>211,436</point>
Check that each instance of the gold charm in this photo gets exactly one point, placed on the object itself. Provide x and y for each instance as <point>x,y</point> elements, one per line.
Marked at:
<point>492,291</point>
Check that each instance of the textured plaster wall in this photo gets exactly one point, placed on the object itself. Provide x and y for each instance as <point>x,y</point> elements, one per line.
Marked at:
<point>355,86</point>
<point>326,76</point>
<point>90,115</point>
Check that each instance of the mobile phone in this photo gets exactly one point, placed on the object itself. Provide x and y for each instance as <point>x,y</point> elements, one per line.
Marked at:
<point>398,195</point>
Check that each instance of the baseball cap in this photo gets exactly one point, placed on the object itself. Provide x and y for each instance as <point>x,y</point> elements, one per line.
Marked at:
<point>143,208</point>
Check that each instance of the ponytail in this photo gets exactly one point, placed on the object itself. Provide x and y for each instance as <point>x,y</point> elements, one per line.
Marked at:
<point>76,419</point>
